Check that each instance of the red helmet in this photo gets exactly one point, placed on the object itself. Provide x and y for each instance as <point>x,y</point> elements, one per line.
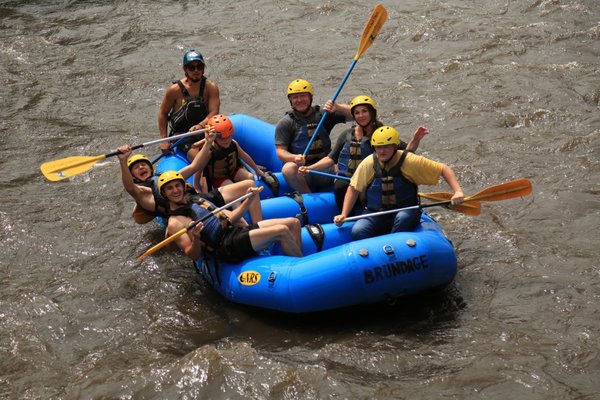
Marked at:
<point>222,125</point>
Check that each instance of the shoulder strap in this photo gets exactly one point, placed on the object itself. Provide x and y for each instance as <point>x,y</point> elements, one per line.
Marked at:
<point>186,94</point>
<point>202,86</point>
<point>376,165</point>
<point>402,158</point>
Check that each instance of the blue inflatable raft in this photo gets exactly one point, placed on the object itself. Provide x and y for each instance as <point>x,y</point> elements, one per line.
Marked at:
<point>335,271</point>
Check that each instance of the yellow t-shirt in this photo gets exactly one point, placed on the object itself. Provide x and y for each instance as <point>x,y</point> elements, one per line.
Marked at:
<point>417,169</point>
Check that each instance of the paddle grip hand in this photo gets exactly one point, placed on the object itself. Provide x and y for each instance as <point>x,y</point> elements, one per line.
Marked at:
<point>457,198</point>
<point>303,170</point>
<point>299,159</point>
<point>339,220</point>
<point>123,152</point>
<point>165,148</point>
<point>195,228</point>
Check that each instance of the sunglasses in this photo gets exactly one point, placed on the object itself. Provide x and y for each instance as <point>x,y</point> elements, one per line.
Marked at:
<point>195,67</point>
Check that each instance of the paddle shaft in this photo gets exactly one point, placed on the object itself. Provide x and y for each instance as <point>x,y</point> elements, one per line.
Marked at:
<point>370,32</point>
<point>326,113</point>
<point>385,212</point>
<point>327,174</point>
<point>171,147</point>
<point>504,191</point>
<point>165,139</point>
<point>53,167</point>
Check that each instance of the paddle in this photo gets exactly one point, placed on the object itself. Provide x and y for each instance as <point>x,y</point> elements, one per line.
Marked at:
<point>327,174</point>
<point>472,208</point>
<point>508,190</point>
<point>171,148</point>
<point>469,211</point>
<point>180,232</point>
<point>504,191</point>
<point>64,168</point>
<point>370,32</point>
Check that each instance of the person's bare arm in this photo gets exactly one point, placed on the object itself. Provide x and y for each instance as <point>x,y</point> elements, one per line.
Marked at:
<point>248,160</point>
<point>167,104</point>
<point>126,177</point>
<point>189,242</point>
<point>202,158</point>
<point>349,201</point>
<point>238,213</point>
<point>450,178</point>
<point>419,134</point>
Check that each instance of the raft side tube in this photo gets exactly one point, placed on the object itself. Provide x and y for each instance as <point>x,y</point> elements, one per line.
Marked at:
<point>361,272</point>
<point>257,138</point>
<point>316,208</point>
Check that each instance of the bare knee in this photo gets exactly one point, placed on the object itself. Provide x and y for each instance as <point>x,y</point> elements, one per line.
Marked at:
<point>281,232</point>
<point>293,224</point>
<point>243,175</point>
<point>289,168</point>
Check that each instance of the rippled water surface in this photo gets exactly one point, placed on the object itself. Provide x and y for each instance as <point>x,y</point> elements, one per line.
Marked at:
<point>508,89</point>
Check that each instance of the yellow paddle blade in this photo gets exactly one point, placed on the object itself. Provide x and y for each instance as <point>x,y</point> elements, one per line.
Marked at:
<point>162,244</point>
<point>67,167</point>
<point>509,190</point>
<point>372,28</point>
<point>472,207</point>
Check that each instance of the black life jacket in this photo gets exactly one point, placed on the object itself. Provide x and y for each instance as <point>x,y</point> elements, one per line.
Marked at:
<point>192,112</point>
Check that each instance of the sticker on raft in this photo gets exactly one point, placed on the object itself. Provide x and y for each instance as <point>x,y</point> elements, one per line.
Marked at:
<point>249,278</point>
<point>391,270</point>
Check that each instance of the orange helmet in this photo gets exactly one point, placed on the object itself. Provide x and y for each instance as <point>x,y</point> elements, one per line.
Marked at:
<point>222,125</point>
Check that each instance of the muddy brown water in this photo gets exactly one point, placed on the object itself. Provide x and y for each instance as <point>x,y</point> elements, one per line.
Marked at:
<point>508,89</point>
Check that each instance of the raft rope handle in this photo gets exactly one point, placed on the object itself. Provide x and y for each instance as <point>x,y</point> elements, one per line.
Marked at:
<point>317,234</point>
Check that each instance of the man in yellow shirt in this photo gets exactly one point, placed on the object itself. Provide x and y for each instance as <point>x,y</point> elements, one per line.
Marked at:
<point>389,178</point>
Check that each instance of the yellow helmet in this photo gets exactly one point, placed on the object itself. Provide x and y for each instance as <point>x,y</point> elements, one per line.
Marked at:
<point>299,86</point>
<point>362,100</point>
<point>169,176</point>
<point>384,136</point>
<point>138,158</point>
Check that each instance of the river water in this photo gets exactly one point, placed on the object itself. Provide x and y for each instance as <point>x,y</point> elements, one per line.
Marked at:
<point>508,89</point>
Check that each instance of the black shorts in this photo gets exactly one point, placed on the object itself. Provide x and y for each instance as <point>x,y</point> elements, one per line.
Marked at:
<point>235,245</point>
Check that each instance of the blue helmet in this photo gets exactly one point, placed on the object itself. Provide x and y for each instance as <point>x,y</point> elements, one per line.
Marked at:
<point>192,55</point>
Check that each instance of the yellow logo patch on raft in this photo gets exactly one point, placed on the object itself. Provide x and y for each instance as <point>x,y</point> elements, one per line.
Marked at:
<point>249,278</point>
